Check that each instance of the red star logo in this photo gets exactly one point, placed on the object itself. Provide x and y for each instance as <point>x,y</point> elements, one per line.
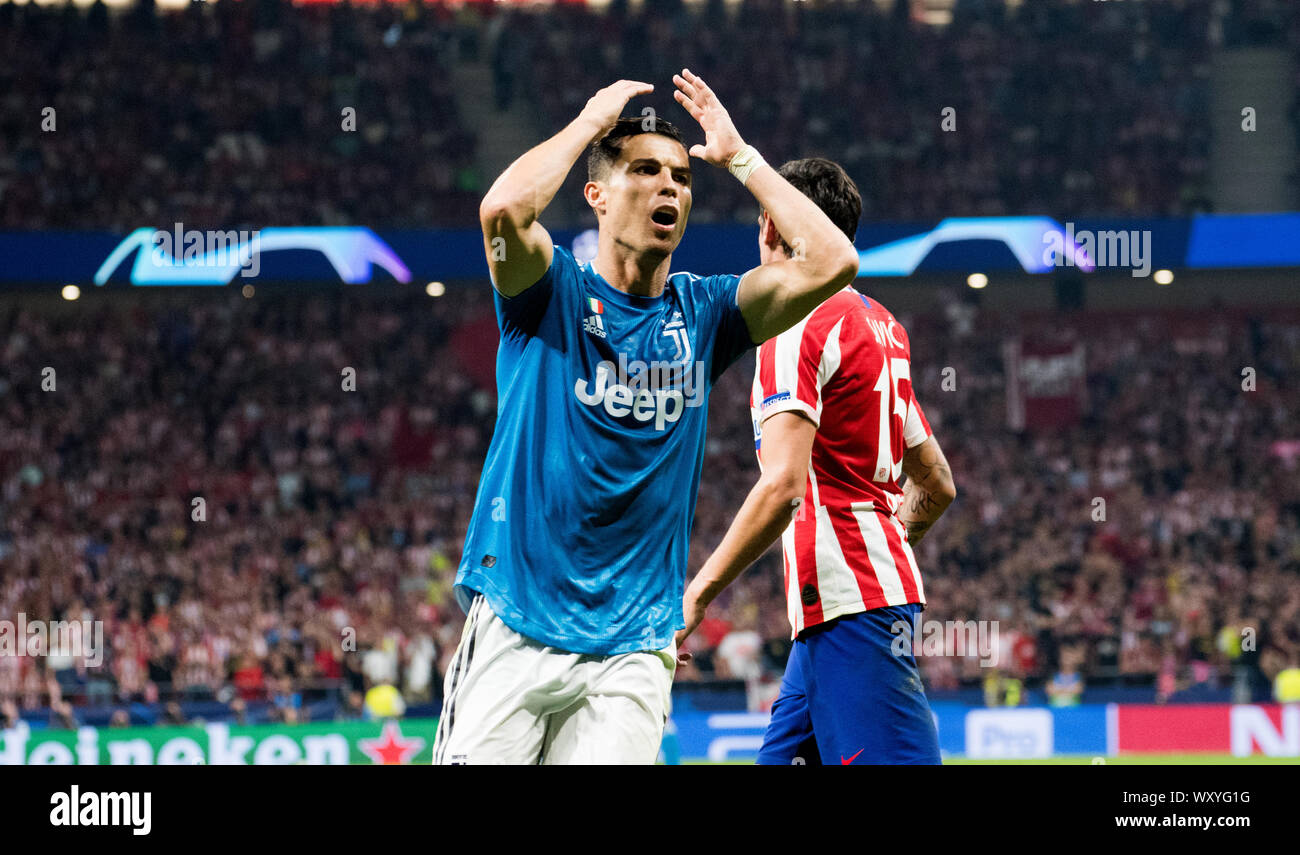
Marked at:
<point>391,748</point>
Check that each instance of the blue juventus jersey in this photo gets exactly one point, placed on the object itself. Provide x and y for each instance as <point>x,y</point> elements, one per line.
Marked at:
<point>580,528</point>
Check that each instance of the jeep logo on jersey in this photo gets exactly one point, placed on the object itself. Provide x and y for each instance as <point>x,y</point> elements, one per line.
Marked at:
<point>623,393</point>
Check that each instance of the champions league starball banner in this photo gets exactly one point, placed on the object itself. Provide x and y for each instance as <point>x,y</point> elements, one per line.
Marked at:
<point>178,254</point>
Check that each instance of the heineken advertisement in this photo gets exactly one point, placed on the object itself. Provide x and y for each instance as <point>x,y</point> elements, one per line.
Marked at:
<point>332,744</point>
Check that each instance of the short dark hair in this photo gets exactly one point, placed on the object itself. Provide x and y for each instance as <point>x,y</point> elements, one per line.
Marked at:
<point>604,151</point>
<point>826,183</point>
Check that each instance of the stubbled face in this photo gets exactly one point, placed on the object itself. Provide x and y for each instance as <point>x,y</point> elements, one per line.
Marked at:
<point>646,197</point>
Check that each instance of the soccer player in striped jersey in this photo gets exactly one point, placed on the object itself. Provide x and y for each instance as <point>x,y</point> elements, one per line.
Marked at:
<point>836,423</point>
<point>575,557</point>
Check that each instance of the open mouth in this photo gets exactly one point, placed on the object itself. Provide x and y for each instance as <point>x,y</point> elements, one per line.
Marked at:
<point>664,218</point>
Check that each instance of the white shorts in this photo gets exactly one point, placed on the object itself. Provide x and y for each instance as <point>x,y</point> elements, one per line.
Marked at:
<point>509,699</point>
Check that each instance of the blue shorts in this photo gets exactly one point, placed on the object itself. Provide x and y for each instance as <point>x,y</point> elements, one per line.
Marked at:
<point>848,698</point>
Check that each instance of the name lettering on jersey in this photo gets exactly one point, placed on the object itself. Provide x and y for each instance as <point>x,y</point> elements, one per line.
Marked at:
<point>613,392</point>
<point>883,332</point>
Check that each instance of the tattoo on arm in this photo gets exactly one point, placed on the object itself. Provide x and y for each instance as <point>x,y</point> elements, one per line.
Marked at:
<point>916,530</point>
<point>924,498</point>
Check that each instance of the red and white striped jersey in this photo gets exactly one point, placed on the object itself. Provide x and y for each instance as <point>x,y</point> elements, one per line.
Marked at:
<point>847,366</point>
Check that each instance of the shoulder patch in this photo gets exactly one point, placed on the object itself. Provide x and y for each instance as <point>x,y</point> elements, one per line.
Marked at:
<point>774,398</point>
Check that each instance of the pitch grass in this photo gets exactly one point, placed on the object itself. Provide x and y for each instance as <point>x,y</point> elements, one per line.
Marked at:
<point>1087,759</point>
<point>1136,760</point>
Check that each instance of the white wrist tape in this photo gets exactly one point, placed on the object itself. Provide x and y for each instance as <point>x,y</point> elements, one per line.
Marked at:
<point>744,162</point>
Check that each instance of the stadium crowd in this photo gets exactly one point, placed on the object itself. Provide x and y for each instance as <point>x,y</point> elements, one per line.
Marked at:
<point>319,562</point>
<point>1089,108</point>
<point>240,118</point>
<point>244,115</point>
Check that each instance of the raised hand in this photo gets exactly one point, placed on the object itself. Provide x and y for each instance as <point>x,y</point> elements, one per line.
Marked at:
<point>721,139</point>
<point>604,108</point>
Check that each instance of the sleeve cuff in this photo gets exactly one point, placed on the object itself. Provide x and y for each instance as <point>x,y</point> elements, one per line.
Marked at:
<point>792,405</point>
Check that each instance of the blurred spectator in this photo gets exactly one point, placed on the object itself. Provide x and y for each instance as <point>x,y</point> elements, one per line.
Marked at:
<point>9,716</point>
<point>1001,690</point>
<point>62,716</point>
<point>419,655</point>
<point>248,678</point>
<point>285,698</point>
<point>1286,686</point>
<point>1066,686</point>
<point>173,714</point>
<point>384,701</point>
<point>353,708</point>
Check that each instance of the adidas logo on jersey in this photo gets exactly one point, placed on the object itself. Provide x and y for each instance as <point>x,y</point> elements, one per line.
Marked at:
<point>594,323</point>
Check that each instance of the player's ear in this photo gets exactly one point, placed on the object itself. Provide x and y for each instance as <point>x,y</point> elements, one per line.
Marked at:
<point>767,232</point>
<point>594,193</point>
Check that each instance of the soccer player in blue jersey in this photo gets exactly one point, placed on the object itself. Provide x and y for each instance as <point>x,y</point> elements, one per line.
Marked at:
<point>575,558</point>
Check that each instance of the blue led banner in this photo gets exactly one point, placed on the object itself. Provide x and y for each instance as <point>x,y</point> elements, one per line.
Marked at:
<point>180,256</point>
<point>1245,240</point>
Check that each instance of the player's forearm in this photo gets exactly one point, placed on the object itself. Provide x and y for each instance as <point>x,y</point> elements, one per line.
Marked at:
<point>929,490</point>
<point>922,506</point>
<point>528,185</point>
<point>825,258</point>
<point>764,515</point>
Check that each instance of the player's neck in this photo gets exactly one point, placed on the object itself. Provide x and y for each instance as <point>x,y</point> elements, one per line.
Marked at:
<point>640,275</point>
